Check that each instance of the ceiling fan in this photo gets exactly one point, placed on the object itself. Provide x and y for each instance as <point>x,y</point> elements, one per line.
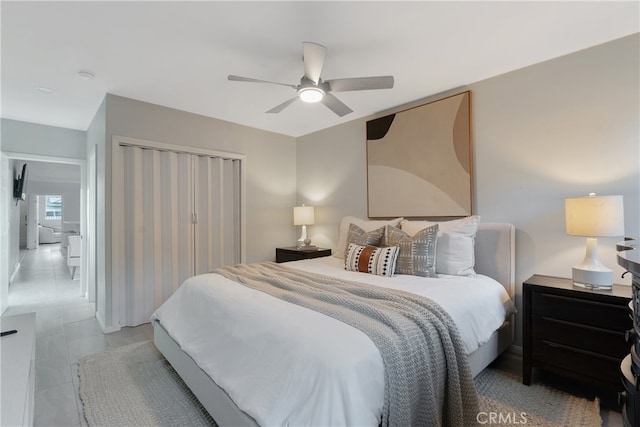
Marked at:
<point>313,89</point>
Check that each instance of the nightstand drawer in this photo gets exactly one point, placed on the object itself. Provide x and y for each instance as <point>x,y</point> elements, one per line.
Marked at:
<point>589,366</point>
<point>589,338</point>
<point>583,311</point>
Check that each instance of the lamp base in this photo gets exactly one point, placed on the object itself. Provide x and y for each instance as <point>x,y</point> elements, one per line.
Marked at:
<point>592,279</point>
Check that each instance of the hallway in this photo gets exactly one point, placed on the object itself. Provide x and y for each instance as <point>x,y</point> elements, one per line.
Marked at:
<point>66,331</point>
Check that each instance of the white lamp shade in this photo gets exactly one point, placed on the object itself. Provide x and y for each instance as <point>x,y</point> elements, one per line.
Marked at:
<point>595,216</point>
<point>303,215</point>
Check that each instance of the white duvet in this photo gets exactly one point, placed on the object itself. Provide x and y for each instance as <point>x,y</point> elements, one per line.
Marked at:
<point>283,364</point>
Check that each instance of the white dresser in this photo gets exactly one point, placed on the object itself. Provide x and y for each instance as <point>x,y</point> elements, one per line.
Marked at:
<point>17,370</point>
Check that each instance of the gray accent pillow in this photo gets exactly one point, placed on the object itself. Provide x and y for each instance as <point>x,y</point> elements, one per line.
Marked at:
<point>417,255</point>
<point>358,236</point>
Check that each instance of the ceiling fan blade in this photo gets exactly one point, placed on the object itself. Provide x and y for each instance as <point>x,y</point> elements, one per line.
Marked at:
<point>361,83</point>
<point>249,79</point>
<point>335,105</point>
<point>282,106</point>
<point>313,57</point>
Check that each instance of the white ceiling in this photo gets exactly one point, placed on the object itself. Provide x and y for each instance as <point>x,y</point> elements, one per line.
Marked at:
<point>179,54</point>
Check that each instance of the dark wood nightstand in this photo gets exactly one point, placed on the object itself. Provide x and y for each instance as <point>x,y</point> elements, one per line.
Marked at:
<point>294,254</point>
<point>575,332</point>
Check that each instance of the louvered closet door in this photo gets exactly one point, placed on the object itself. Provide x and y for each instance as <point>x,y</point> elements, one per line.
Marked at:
<point>217,212</point>
<point>181,216</point>
<point>158,229</point>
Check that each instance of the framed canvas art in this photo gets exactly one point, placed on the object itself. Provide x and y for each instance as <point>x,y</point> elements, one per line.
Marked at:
<point>419,161</point>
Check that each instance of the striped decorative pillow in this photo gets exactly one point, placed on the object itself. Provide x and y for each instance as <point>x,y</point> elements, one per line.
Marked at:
<point>417,255</point>
<point>372,260</point>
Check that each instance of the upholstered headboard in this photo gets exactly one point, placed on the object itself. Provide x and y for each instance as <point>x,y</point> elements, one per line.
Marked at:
<point>495,253</point>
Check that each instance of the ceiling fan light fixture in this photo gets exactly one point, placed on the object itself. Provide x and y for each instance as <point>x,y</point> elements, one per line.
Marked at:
<point>311,94</point>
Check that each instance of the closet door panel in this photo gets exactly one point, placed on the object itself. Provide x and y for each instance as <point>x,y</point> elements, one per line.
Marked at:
<point>231,212</point>
<point>158,229</point>
<point>217,205</point>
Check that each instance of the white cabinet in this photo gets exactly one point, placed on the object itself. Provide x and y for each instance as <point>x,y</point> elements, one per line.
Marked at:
<point>17,370</point>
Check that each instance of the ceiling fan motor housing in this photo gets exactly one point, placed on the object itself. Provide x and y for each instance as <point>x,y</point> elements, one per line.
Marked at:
<point>308,91</point>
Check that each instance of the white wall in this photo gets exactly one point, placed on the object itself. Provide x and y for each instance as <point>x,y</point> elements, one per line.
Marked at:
<point>270,175</point>
<point>559,129</point>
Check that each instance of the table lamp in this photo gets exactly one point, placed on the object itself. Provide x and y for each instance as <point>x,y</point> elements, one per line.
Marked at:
<point>303,215</point>
<point>592,217</point>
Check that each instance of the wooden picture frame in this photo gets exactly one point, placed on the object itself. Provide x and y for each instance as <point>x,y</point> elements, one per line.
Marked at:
<point>419,161</point>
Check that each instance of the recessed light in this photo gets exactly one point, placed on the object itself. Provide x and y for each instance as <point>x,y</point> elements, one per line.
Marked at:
<point>46,90</point>
<point>86,75</point>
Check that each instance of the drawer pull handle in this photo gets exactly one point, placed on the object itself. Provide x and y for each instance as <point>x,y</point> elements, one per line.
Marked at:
<point>580,351</point>
<point>567,300</point>
<point>583,326</point>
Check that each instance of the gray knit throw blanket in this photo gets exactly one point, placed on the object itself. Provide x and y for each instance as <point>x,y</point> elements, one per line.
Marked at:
<point>427,377</point>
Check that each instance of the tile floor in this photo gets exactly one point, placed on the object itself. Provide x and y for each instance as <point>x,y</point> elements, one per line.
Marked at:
<point>66,331</point>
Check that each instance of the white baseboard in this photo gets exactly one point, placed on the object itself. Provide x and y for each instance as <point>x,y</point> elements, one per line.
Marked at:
<point>105,330</point>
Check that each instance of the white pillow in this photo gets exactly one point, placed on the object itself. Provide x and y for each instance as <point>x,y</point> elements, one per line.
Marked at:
<point>455,253</point>
<point>366,224</point>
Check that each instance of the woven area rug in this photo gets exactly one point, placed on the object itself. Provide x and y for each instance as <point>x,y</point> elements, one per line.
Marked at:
<point>508,401</point>
<point>135,385</point>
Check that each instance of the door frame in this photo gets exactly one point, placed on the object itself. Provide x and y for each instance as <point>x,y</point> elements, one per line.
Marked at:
<point>83,201</point>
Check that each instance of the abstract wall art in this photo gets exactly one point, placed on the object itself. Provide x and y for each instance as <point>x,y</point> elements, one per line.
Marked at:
<point>419,161</point>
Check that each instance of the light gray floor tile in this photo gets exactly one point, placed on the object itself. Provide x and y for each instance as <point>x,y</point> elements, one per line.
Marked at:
<point>52,371</point>
<point>82,328</point>
<point>56,406</point>
<point>126,336</point>
<point>49,322</point>
<point>51,346</point>
<point>81,347</point>
<point>78,313</point>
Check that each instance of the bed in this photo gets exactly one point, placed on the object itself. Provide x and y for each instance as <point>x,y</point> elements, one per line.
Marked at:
<point>178,336</point>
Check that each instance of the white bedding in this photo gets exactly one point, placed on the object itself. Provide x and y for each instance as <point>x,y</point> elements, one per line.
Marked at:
<point>273,358</point>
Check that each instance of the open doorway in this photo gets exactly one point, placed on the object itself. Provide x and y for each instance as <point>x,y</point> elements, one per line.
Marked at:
<point>53,209</point>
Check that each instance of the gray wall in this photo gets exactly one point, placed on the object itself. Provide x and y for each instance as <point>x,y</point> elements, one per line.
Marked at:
<point>558,129</point>
<point>32,138</point>
<point>69,191</point>
<point>270,174</point>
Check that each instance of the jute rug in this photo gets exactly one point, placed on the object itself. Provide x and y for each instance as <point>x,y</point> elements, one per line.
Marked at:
<point>136,386</point>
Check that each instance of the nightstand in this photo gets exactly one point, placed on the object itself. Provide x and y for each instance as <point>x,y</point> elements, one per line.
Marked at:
<point>294,254</point>
<point>575,332</point>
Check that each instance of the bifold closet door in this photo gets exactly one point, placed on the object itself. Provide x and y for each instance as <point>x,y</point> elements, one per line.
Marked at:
<point>158,229</point>
<point>217,212</point>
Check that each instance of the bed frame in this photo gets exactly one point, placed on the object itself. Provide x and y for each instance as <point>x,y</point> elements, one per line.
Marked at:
<point>495,257</point>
